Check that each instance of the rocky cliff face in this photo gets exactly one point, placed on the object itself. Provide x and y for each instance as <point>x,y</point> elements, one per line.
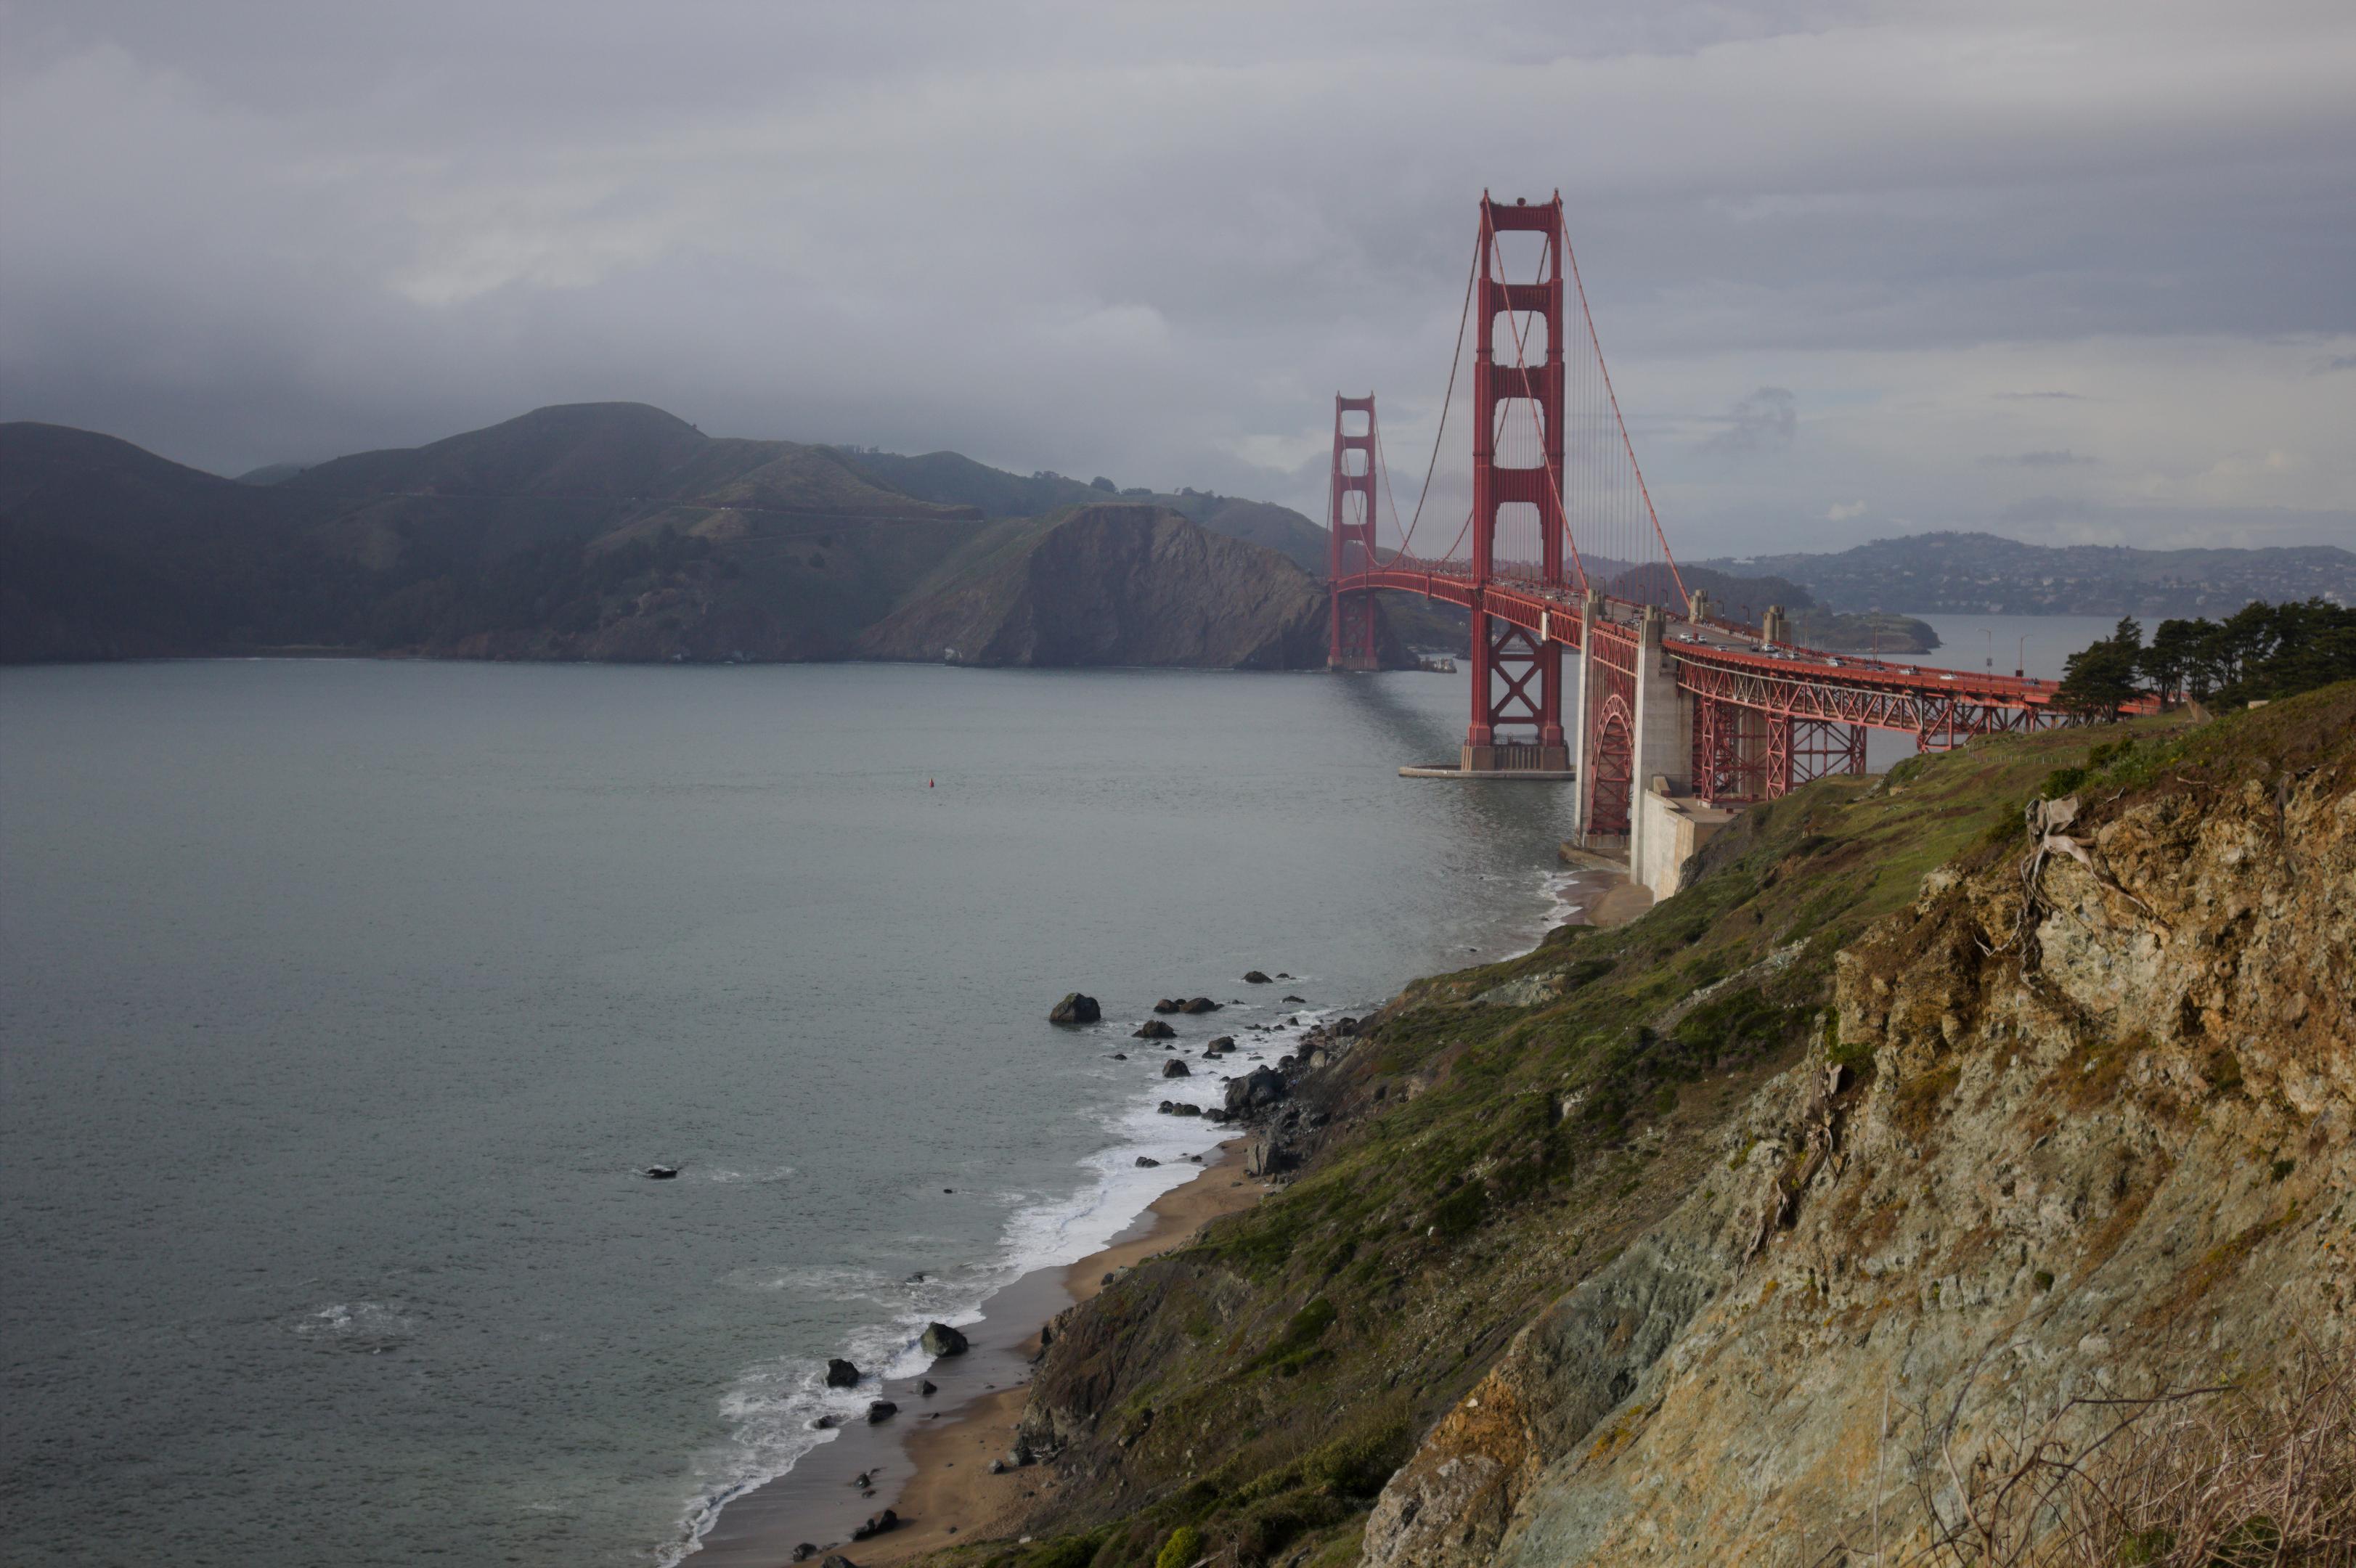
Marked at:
<point>1773,1225</point>
<point>1115,586</point>
<point>2085,1130</point>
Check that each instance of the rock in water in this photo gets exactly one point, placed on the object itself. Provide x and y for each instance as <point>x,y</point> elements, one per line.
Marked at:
<point>661,1172</point>
<point>1143,1163</point>
<point>841,1373</point>
<point>1199,1005</point>
<point>1254,977</point>
<point>1174,1068</point>
<point>940,1339</point>
<point>929,1388</point>
<point>1076,1007</point>
<point>1154,1028</point>
<point>1168,1004</point>
<point>881,1410</point>
<point>1220,1045</point>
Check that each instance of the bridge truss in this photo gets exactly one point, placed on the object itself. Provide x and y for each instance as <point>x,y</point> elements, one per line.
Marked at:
<point>1561,552</point>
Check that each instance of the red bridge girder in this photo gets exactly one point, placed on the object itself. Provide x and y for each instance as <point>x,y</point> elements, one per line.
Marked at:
<point>1941,708</point>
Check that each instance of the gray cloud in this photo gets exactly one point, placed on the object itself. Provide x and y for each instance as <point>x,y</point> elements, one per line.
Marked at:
<point>2048,459</point>
<point>1152,241</point>
<point>1766,421</point>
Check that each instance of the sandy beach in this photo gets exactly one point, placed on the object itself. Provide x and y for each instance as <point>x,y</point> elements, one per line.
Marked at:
<point>932,1466</point>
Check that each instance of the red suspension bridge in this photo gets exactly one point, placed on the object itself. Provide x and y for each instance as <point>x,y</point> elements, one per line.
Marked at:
<point>1583,633</point>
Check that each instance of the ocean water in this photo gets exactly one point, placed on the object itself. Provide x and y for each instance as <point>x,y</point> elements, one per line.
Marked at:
<point>342,1003</point>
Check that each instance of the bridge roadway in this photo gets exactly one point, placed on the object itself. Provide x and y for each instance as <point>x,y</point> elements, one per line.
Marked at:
<point>1676,713</point>
<point>1733,664</point>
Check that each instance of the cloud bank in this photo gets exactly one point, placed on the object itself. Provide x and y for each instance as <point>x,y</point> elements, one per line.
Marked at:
<point>1153,240</point>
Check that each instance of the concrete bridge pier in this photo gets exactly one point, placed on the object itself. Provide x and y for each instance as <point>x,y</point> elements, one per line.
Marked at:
<point>1663,738</point>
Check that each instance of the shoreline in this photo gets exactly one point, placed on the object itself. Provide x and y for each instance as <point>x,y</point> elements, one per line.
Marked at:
<point>931,1462</point>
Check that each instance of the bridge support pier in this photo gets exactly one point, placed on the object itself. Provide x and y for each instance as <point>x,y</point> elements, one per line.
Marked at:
<point>1664,730</point>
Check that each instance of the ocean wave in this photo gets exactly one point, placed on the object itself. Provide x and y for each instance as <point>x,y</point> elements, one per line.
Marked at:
<point>772,1409</point>
<point>362,1327</point>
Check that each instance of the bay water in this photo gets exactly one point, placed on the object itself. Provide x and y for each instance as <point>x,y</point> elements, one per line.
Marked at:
<point>344,1004</point>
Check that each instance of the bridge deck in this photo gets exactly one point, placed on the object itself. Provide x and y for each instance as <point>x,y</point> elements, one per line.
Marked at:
<point>1732,664</point>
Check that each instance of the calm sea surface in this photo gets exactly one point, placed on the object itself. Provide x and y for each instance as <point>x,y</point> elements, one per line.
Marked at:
<point>341,1003</point>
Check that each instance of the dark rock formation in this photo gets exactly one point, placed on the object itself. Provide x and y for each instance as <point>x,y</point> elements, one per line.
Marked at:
<point>1076,1007</point>
<point>1144,1163</point>
<point>1174,1068</point>
<point>1255,977</point>
<point>1199,1005</point>
<point>881,1410</point>
<point>940,1339</point>
<point>661,1172</point>
<point>841,1373</point>
<point>1170,1004</point>
<point>1154,1028</point>
<point>875,1524</point>
<point>1256,1090</point>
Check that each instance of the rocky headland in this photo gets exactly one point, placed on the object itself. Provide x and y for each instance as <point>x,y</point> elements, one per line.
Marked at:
<point>1955,1143</point>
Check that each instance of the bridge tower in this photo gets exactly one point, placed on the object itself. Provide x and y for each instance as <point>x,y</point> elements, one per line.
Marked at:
<point>1350,536</point>
<point>1516,670</point>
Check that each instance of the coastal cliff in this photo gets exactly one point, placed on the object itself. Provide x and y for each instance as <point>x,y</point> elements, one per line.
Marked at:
<point>1941,1125</point>
<point>1111,585</point>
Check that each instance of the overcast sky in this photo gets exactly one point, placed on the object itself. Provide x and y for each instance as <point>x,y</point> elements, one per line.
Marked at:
<point>2068,270</point>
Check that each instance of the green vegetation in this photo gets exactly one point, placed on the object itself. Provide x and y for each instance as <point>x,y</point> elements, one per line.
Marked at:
<point>1515,1150</point>
<point>2260,653</point>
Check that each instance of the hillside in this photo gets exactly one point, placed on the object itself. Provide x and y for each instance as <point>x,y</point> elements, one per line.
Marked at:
<point>1113,584</point>
<point>1959,573</point>
<point>949,477</point>
<point>600,531</point>
<point>1634,1247</point>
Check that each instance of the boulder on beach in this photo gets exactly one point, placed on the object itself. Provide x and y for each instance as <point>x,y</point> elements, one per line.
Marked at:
<point>1076,1007</point>
<point>1154,1028</point>
<point>881,1410</point>
<point>1174,1068</point>
<point>841,1373</point>
<point>1262,1086</point>
<point>875,1524</point>
<point>1168,1004</point>
<point>1199,1005</point>
<point>804,1552</point>
<point>837,1560</point>
<point>1255,977</point>
<point>940,1339</point>
<point>929,1388</point>
<point>1347,1027</point>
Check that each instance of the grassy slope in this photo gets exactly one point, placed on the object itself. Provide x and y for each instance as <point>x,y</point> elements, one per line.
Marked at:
<point>1261,1385</point>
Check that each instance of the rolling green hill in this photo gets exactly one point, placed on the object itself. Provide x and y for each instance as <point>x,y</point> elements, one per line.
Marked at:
<point>601,531</point>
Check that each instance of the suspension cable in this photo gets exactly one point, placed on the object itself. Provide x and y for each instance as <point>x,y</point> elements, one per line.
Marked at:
<point>1617,419</point>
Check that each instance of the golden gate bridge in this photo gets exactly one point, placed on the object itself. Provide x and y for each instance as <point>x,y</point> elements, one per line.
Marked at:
<point>1583,633</point>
